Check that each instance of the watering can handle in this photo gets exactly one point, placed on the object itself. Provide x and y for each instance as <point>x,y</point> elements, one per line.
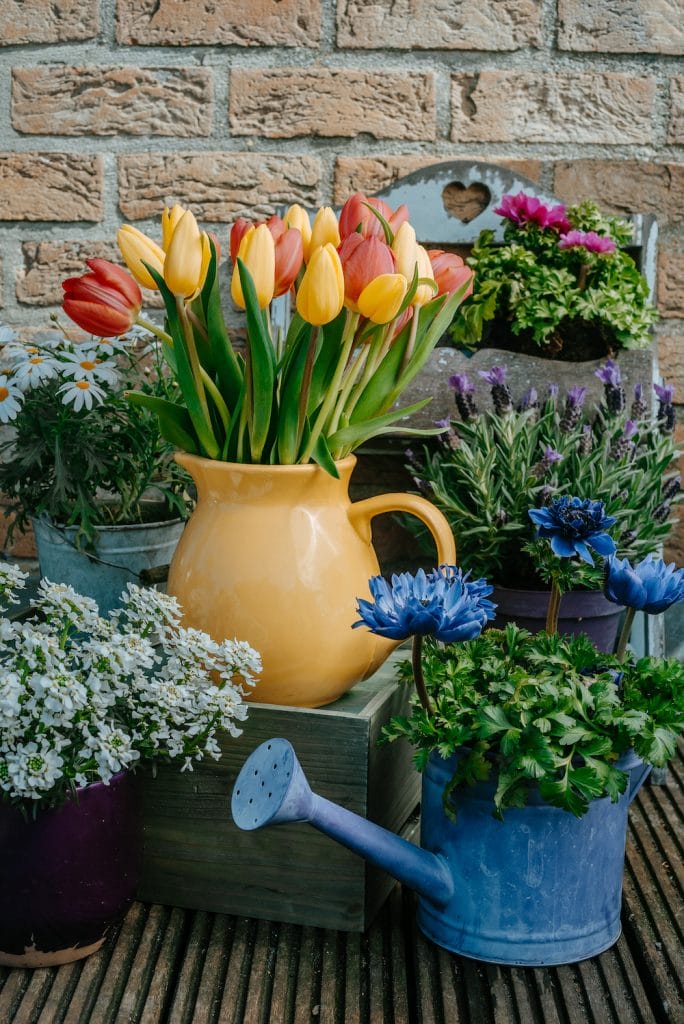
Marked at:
<point>361,513</point>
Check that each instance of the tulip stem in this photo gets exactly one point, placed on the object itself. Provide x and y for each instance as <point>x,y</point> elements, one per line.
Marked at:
<point>193,358</point>
<point>372,360</point>
<point>333,387</point>
<point>418,677</point>
<point>306,383</point>
<point>410,345</point>
<point>217,398</point>
<point>554,608</point>
<point>157,331</point>
<point>624,634</point>
<point>347,385</point>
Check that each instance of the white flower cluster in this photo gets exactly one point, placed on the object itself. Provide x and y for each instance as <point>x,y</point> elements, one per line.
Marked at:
<point>83,697</point>
<point>86,369</point>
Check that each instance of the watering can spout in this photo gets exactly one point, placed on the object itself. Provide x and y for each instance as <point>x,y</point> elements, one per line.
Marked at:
<point>272,789</point>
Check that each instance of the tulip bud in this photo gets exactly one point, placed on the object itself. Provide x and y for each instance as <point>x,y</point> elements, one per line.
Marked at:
<point>380,300</point>
<point>105,302</point>
<point>276,225</point>
<point>424,292</point>
<point>450,272</point>
<point>186,261</point>
<point>297,217</point>
<point>355,216</point>
<point>405,249</point>
<point>257,252</point>
<point>321,293</point>
<point>237,233</point>
<point>169,221</point>
<point>136,249</point>
<point>325,230</point>
<point>289,256</point>
<point>363,259</point>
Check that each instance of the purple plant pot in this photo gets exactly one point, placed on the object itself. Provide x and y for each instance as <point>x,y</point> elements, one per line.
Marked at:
<point>69,875</point>
<point>581,611</point>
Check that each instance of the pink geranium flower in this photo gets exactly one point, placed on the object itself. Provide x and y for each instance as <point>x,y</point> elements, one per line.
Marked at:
<point>524,209</point>
<point>588,240</point>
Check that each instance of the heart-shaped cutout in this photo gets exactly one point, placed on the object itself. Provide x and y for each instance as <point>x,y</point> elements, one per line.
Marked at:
<point>466,202</point>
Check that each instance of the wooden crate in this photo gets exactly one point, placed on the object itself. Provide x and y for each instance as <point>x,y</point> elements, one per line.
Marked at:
<point>194,856</point>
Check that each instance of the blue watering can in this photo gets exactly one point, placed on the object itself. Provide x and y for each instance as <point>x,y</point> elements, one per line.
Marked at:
<point>540,888</point>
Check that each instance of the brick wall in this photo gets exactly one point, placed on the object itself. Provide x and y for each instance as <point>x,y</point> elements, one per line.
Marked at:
<point>110,109</point>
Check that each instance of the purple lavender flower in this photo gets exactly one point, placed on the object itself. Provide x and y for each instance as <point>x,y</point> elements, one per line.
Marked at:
<point>639,407</point>
<point>501,393</point>
<point>588,240</point>
<point>609,375</point>
<point>463,396</point>
<point>573,409</point>
<point>586,441</point>
<point>549,457</point>
<point>666,410</point>
<point>623,445</point>
<point>529,400</point>
<point>672,487</point>
<point>552,393</point>
<point>443,424</point>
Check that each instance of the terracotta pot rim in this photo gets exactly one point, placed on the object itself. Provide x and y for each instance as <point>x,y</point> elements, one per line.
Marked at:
<point>254,468</point>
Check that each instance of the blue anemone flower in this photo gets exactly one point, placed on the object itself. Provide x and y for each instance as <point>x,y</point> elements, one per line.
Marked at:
<point>650,586</point>
<point>443,603</point>
<point>573,525</point>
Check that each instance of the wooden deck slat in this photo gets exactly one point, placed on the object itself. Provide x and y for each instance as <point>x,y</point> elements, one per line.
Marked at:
<point>172,966</point>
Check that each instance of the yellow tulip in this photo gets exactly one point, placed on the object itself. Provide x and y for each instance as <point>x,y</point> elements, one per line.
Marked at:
<point>169,221</point>
<point>257,252</point>
<point>137,248</point>
<point>321,293</point>
<point>405,249</point>
<point>380,300</point>
<point>186,261</point>
<point>424,292</point>
<point>297,217</point>
<point>325,230</point>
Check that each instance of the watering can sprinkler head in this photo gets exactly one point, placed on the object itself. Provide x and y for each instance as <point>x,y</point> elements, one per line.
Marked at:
<point>271,788</point>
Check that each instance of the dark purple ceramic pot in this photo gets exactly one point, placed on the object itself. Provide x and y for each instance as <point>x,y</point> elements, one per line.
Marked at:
<point>581,611</point>
<point>68,876</point>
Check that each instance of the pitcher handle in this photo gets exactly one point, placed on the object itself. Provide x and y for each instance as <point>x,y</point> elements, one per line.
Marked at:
<point>361,513</point>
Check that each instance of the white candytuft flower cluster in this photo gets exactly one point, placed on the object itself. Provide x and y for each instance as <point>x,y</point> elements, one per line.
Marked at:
<point>84,697</point>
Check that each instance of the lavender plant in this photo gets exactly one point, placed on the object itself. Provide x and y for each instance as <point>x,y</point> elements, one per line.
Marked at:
<point>492,465</point>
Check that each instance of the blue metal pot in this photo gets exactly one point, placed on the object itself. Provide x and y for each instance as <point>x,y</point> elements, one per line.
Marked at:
<point>539,888</point>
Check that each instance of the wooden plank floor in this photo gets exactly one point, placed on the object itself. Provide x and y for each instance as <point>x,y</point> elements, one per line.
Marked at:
<point>170,966</point>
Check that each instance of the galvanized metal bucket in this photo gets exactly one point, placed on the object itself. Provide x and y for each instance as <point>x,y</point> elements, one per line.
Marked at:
<point>123,554</point>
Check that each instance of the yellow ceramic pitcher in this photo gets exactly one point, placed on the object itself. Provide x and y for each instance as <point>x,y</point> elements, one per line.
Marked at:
<point>277,556</point>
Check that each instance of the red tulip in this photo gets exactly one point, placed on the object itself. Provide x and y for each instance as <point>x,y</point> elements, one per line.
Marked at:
<point>355,214</point>
<point>277,226</point>
<point>450,272</point>
<point>363,259</point>
<point>105,302</point>
<point>237,233</point>
<point>289,257</point>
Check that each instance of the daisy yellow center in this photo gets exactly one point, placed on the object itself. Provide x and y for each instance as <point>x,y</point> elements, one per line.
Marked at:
<point>36,360</point>
<point>4,393</point>
<point>87,364</point>
<point>32,349</point>
<point>83,385</point>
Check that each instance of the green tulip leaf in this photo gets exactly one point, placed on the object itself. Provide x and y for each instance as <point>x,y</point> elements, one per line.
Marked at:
<point>290,422</point>
<point>259,366</point>
<point>223,355</point>
<point>174,421</point>
<point>356,433</point>
<point>327,356</point>
<point>322,457</point>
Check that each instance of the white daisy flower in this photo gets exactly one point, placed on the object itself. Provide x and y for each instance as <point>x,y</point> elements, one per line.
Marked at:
<point>81,393</point>
<point>6,335</point>
<point>32,371</point>
<point>89,366</point>
<point>11,399</point>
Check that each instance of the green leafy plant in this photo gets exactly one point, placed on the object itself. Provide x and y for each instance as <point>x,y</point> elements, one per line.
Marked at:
<point>560,284</point>
<point>492,466</point>
<point>544,712</point>
<point>79,451</point>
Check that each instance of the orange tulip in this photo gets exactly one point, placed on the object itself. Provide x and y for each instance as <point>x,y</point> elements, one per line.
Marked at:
<point>424,292</point>
<point>324,230</point>
<point>380,300</point>
<point>320,295</point>
<point>450,272</point>
<point>297,217</point>
<point>105,302</point>
<point>289,257</point>
<point>356,217</point>
<point>363,259</point>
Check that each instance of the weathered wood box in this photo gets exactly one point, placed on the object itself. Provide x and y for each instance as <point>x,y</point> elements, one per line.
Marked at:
<point>194,856</point>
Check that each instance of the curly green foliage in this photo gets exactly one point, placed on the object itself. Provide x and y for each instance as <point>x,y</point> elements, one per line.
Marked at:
<point>487,474</point>
<point>534,287</point>
<point>93,467</point>
<point>541,713</point>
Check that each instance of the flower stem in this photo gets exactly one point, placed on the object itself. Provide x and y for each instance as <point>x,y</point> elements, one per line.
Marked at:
<point>153,329</point>
<point>418,677</point>
<point>624,634</point>
<point>554,608</point>
<point>332,389</point>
